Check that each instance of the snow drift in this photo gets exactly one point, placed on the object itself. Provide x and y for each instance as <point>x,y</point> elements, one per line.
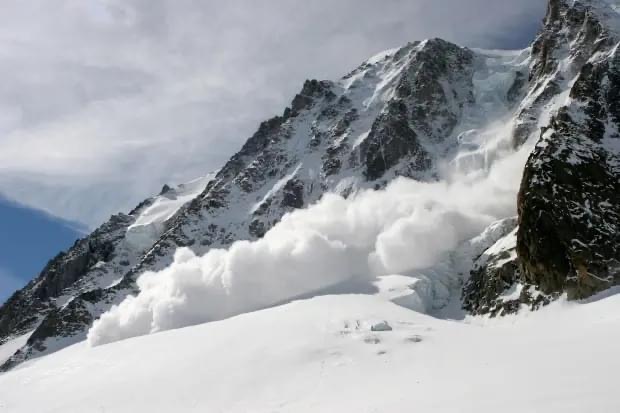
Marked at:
<point>322,355</point>
<point>406,227</point>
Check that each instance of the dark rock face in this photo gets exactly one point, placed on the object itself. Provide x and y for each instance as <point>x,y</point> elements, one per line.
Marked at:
<point>569,201</point>
<point>20,313</point>
<point>483,292</point>
<point>66,269</point>
<point>311,90</point>
<point>569,208</point>
<point>495,290</point>
<point>440,79</point>
<point>571,34</point>
<point>390,140</point>
<point>293,194</point>
<point>517,87</point>
<point>431,95</point>
<point>496,285</point>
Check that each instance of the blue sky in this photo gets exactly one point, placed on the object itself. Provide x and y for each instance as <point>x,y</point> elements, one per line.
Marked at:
<point>28,239</point>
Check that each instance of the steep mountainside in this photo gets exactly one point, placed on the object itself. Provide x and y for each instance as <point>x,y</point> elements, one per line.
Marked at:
<point>73,280</point>
<point>569,202</point>
<point>418,112</point>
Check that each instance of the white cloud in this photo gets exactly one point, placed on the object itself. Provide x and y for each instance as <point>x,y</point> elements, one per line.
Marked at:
<point>104,101</point>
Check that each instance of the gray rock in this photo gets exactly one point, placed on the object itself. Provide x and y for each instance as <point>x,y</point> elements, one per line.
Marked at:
<point>381,326</point>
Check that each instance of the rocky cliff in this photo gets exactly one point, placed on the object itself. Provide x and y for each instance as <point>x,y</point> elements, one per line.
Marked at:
<point>569,202</point>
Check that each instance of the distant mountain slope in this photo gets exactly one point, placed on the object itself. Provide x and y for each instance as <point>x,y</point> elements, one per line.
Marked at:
<point>95,262</point>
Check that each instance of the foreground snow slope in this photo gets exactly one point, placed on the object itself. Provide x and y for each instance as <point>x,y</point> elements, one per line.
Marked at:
<point>11,346</point>
<point>321,355</point>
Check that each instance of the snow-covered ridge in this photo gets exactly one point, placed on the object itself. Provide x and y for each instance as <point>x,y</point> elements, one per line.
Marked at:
<point>151,220</point>
<point>170,201</point>
<point>8,348</point>
<point>95,264</point>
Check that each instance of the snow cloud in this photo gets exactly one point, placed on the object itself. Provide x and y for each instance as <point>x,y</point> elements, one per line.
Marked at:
<point>407,227</point>
<point>104,101</point>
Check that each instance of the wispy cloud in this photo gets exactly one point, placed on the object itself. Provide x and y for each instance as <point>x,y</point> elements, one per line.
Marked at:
<point>104,101</point>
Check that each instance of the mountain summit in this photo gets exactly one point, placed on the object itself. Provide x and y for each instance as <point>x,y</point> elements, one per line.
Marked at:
<point>515,157</point>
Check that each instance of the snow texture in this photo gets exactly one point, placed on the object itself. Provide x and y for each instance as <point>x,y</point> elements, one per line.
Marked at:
<point>10,346</point>
<point>321,355</point>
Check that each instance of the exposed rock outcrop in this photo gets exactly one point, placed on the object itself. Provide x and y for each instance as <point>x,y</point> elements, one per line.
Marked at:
<point>569,202</point>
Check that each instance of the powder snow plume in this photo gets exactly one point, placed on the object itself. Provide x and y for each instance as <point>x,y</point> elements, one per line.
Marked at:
<point>408,226</point>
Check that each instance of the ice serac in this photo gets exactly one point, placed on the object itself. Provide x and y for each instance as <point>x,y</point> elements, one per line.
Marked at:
<point>569,202</point>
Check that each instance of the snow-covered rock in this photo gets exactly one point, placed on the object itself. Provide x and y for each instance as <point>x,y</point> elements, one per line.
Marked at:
<point>569,203</point>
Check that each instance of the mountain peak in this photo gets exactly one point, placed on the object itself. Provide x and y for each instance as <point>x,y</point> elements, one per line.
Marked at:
<point>570,12</point>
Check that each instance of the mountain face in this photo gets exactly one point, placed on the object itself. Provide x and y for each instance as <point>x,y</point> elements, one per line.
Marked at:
<point>406,112</point>
<point>72,287</point>
<point>569,201</point>
<point>569,205</point>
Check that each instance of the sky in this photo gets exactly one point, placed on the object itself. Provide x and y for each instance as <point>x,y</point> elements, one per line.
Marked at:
<point>104,101</point>
<point>29,238</point>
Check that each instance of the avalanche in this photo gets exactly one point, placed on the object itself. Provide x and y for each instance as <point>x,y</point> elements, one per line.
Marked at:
<point>411,228</point>
<point>407,228</point>
<point>328,142</point>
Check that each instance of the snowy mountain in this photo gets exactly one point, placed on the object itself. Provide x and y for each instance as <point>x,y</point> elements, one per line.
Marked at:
<point>73,281</point>
<point>433,178</point>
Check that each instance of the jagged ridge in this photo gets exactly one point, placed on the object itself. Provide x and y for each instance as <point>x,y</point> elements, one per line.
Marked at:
<point>569,202</point>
